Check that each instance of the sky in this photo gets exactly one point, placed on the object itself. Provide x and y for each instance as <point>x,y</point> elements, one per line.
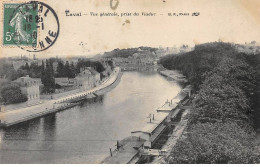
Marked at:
<point>235,21</point>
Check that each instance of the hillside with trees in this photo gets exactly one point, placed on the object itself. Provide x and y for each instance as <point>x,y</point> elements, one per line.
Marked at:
<point>225,108</point>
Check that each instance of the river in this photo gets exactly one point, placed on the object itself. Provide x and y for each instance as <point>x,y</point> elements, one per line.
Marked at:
<point>85,133</point>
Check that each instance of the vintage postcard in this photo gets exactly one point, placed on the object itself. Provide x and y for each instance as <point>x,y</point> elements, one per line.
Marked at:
<point>130,82</point>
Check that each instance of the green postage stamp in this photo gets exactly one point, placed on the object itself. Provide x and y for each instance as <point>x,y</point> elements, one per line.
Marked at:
<point>32,26</point>
<point>20,26</point>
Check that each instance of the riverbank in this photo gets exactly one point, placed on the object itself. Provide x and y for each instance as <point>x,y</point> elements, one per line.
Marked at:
<point>51,106</point>
<point>149,134</point>
<point>177,133</point>
<point>139,68</point>
<point>110,87</point>
<point>173,74</point>
<point>220,128</point>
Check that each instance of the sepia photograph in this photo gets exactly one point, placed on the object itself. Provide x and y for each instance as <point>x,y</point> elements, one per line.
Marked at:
<point>130,82</point>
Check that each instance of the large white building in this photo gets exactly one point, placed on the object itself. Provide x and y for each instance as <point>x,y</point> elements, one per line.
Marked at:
<point>30,88</point>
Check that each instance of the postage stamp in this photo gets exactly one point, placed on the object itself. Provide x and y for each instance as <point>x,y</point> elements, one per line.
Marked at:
<point>33,26</point>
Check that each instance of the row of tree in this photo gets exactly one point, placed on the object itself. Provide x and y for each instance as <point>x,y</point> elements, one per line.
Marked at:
<point>65,70</point>
<point>220,127</point>
<point>34,70</point>
<point>45,71</point>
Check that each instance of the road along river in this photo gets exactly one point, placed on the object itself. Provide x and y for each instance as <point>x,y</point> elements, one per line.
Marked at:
<point>84,134</point>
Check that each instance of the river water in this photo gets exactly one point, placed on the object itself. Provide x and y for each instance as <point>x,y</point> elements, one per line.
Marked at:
<point>85,133</point>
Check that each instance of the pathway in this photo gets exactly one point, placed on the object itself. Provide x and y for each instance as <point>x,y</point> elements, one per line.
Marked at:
<point>21,113</point>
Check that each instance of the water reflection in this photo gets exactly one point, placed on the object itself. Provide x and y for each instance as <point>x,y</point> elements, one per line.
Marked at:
<point>85,133</point>
<point>22,130</point>
<point>97,100</point>
<point>49,126</point>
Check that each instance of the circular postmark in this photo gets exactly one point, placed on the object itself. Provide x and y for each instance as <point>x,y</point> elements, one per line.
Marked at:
<point>35,26</point>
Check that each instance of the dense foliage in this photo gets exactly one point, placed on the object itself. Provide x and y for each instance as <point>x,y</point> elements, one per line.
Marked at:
<point>87,63</point>
<point>11,93</point>
<point>220,127</point>
<point>215,143</point>
<point>67,70</point>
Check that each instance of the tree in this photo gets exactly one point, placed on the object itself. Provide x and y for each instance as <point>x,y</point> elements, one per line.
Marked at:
<point>73,70</point>
<point>87,63</point>
<point>220,126</point>
<point>111,64</point>
<point>26,67</point>
<point>43,72</point>
<point>7,70</point>
<point>11,73</point>
<point>67,71</point>
<point>48,78</point>
<point>11,93</point>
<point>21,73</point>
<point>60,69</point>
<point>35,70</point>
<point>215,143</point>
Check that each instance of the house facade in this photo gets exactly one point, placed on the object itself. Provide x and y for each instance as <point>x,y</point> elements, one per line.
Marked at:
<point>30,88</point>
<point>87,79</point>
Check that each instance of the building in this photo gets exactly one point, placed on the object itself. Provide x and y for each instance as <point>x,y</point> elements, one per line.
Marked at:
<point>96,76</point>
<point>87,78</point>
<point>30,88</point>
<point>152,130</point>
<point>63,81</point>
<point>157,122</point>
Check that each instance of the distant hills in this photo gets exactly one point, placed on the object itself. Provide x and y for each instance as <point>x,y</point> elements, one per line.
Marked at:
<point>129,52</point>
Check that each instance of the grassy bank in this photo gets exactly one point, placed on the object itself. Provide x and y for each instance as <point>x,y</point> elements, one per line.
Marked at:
<point>221,126</point>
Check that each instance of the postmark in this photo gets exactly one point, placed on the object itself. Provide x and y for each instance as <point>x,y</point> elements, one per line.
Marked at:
<point>32,26</point>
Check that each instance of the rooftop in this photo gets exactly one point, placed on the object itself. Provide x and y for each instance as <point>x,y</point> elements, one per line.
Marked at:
<point>150,127</point>
<point>88,71</point>
<point>62,79</point>
<point>93,72</point>
<point>168,105</point>
<point>25,79</point>
<point>128,150</point>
